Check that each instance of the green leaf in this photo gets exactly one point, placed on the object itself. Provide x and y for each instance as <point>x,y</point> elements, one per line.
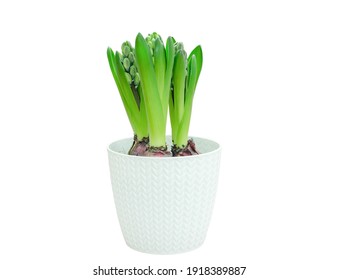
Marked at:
<point>199,57</point>
<point>183,128</point>
<point>170,53</point>
<point>192,78</point>
<point>179,76</point>
<point>160,65</point>
<point>155,117</point>
<point>174,121</point>
<point>143,116</point>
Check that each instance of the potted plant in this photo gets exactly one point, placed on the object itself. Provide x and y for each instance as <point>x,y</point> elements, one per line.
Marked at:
<point>164,187</point>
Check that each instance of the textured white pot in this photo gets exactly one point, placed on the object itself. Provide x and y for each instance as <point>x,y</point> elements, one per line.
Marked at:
<point>164,205</point>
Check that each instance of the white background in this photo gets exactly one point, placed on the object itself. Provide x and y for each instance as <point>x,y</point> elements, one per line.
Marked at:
<point>268,93</point>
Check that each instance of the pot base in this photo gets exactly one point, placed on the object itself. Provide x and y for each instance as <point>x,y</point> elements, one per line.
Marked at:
<point>165,252</point>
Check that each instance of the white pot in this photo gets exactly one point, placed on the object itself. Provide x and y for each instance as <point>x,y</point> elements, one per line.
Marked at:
<point>164,205</point>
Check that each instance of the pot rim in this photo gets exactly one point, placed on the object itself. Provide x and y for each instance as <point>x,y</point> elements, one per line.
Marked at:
<point>216,150</point>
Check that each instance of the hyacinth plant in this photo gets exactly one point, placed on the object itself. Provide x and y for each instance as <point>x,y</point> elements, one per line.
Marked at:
<point>151,78</point>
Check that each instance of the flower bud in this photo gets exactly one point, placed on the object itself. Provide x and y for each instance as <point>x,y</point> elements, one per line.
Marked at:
<point>132,71</point>
<point>129,44</point>
<point>126,43</point>
<point>126,63</point>
<point>136,79</point>
<point>128,77</point>
<point>120,57</point>
<point>131,57</point>
<point>126,50</point>
<point>150,39</point>
<point>178,46</point>
<point>150,44</point>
